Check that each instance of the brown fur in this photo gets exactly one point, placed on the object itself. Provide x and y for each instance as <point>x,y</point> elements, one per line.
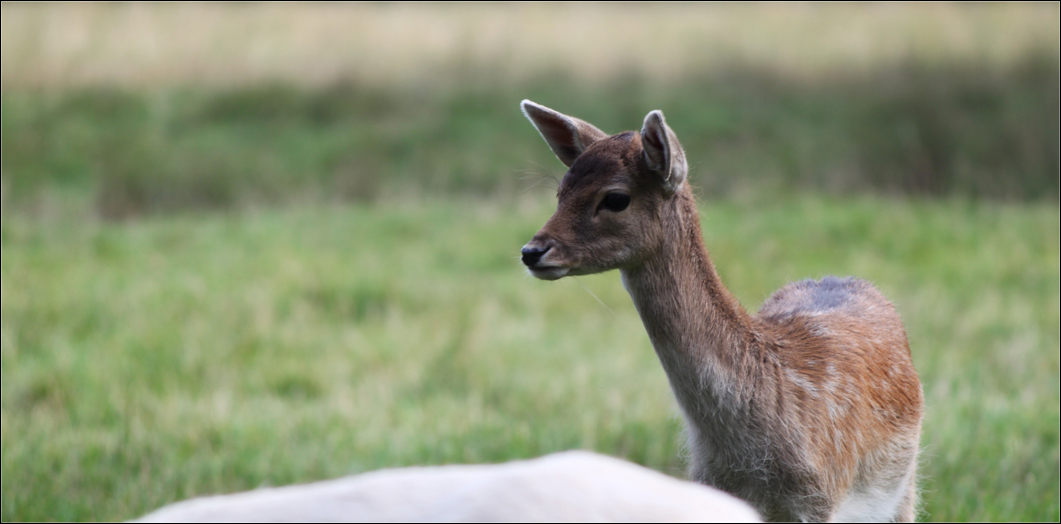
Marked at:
<point>810,409</point>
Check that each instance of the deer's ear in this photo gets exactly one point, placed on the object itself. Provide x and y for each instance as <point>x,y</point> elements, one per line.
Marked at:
<point>663,154</point>
<point>567,136</point>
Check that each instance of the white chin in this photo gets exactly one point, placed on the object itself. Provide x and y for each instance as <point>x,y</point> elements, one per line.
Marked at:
<point>548,273</point>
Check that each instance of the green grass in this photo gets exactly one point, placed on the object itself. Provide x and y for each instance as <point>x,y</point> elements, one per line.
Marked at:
<point>353,298</point>
<point>150,361</point>
<point>970,129</point>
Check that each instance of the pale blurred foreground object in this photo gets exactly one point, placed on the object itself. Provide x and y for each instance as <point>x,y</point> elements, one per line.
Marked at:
<point>569,486</point>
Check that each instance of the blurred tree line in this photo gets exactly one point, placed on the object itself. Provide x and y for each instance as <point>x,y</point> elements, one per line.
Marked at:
<point>959,129</point>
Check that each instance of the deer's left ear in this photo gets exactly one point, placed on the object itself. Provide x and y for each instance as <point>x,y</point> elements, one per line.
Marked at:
<point>567,136</point>
<point>663,154</point>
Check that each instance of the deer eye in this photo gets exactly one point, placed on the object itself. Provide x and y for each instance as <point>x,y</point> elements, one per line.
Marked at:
<point>615,202</point>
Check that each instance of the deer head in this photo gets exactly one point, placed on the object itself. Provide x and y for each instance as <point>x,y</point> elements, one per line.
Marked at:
<point>612,199</point>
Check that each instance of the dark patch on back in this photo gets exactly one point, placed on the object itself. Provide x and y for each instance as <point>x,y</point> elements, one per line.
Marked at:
<point>829,292</point>
<point>809,295</point>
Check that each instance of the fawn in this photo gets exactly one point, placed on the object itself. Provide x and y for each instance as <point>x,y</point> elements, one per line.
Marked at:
<point>811,409</point>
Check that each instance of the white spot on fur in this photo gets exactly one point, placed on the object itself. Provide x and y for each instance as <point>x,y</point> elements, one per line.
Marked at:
<point>871,505</point>
<point>802,382</point>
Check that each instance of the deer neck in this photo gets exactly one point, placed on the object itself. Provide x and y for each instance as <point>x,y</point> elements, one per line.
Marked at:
<point>700,332</point>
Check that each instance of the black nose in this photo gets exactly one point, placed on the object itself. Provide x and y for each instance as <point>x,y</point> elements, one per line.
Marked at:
<point>531,255</point>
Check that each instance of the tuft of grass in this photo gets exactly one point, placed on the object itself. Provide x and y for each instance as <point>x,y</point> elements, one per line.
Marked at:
<point>150,361</point>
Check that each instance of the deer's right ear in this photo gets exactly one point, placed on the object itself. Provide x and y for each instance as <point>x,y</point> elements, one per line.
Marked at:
<point>567,136</point>
<point>663,154</point>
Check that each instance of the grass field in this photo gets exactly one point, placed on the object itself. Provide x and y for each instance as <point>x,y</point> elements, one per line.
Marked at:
<point>948,130</point>
<point>151,361</point>
<point>144,46</point>
<point>122,110</point>
<point>257,244</point>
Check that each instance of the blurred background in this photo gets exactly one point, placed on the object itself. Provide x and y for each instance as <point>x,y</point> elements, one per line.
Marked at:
<point>257,244</point>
